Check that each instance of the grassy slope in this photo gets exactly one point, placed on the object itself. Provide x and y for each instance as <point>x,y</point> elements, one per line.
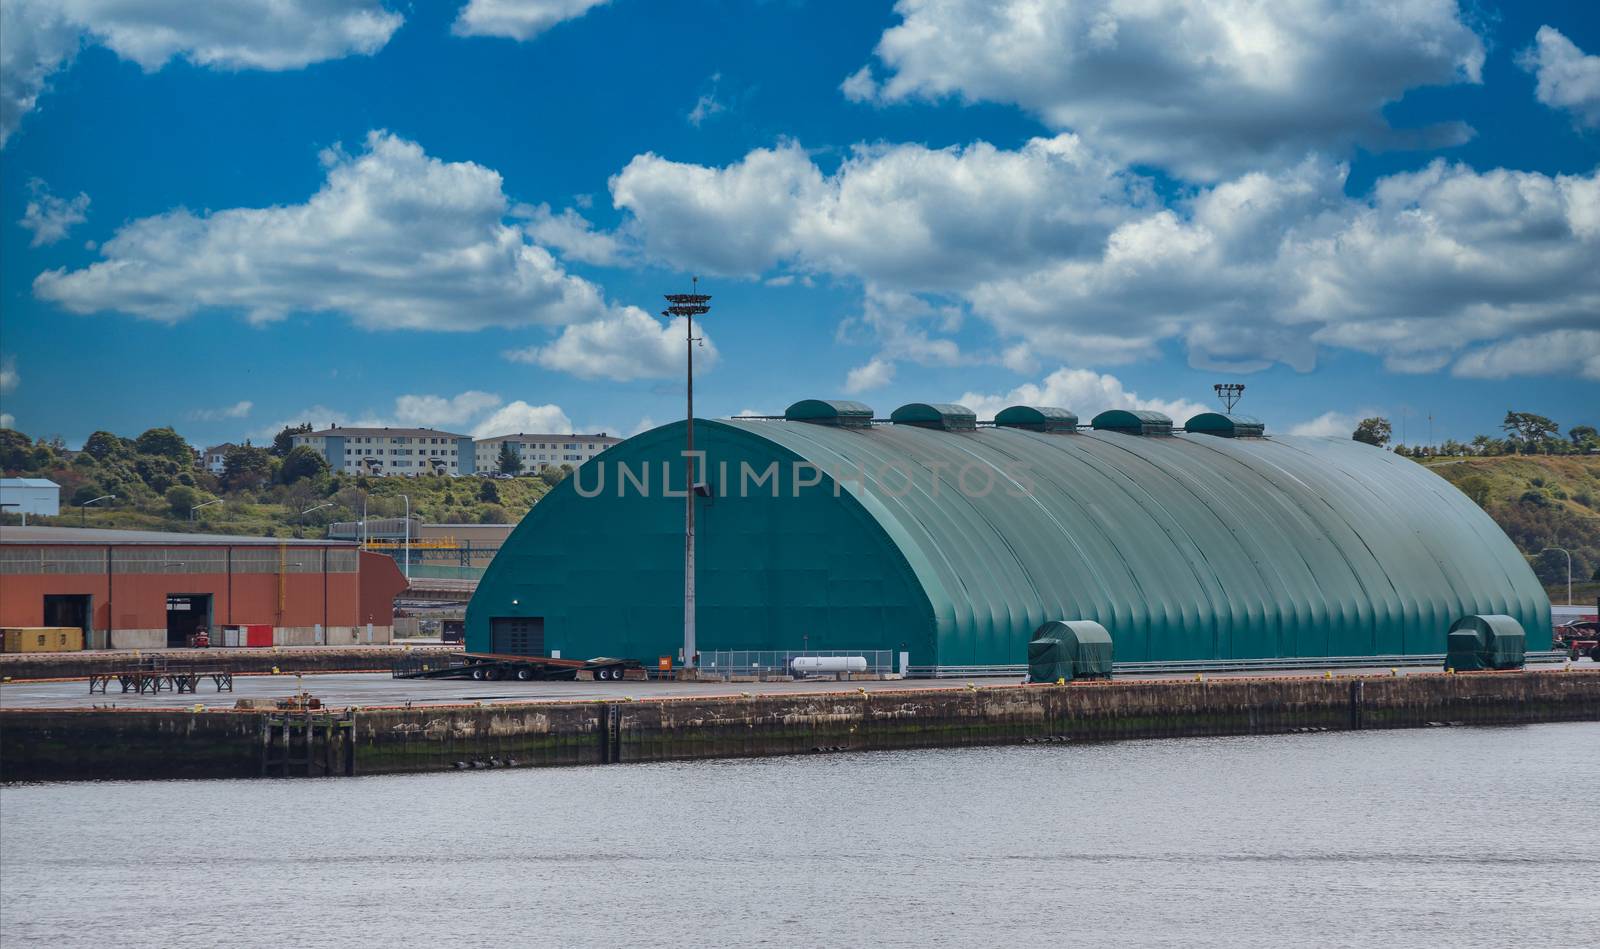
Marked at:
<point>1566,512</point>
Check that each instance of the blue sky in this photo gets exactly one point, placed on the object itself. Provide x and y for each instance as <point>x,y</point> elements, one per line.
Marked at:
<point>463,214</point>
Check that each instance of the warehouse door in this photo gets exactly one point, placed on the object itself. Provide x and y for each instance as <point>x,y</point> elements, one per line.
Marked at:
<point>70,609</point>
<point>187,614</point>
<point>517,635</point>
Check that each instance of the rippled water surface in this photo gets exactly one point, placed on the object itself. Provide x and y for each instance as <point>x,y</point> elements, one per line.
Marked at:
<point>1439,837</point>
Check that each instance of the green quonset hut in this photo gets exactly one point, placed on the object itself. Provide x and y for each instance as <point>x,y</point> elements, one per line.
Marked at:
<point>954,541</point>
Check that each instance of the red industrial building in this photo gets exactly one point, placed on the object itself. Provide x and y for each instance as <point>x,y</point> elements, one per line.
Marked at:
<point>153,590</point>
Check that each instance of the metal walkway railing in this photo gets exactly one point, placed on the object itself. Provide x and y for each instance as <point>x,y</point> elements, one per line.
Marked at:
<point>1302,663</point>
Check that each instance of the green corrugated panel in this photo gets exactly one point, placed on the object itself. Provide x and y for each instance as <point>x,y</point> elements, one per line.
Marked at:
<point>1188,547</point>
<point>1086,645</point>
<point>1501,642</point>
<point>1049,660</point>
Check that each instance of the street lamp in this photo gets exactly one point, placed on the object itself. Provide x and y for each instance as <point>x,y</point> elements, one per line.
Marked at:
<point>1569,570</point>
<point>688,306</point>
<point>205,504</point>
<point>83,516</point>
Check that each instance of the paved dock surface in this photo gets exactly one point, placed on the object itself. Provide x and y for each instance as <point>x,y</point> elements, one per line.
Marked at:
<point>368,689</point>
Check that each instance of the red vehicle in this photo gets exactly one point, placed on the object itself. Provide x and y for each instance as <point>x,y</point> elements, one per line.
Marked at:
<point>1579,638</point>
<point>200,640</point>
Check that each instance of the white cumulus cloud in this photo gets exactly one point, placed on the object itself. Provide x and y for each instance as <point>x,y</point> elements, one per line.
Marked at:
<point>1327,425</point>
<point>50,217</point>
<point>519,416</point>
<point>37,37</point>
<point>517,19</point>
<point>394,239</point>
<point>1558,352</point>
<point>239,409</point>
<point>874,375</point>
<point>630,344</point>
<point>1082,391</point>
<point>483,414</point>
<point>434,411</point>
<point>1204,87</point>
<point>1568,78</point>
<point>1068,256</point>
<point>9,379</point>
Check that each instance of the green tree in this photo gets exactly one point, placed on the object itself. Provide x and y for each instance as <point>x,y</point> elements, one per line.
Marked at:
<point>165,443</point>
<point>493,514</point>
<point>555,474</point>
<point>182,499</point>
<point>103,445</point>
<point>283,442</point>
<point>1528,429</point>
<point>1373,431</point>
<point>1584,437</point>
<point>509,462</point>
<point>302,461</point>
<point>16,452</point>
<point>246,467</point>
<point>488,492</point>
<point>158,471</point>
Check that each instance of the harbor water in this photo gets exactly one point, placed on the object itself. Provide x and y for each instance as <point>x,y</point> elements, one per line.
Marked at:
<point>1445,836</point>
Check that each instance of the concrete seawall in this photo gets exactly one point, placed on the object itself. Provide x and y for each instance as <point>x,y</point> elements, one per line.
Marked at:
<point>91,744</point>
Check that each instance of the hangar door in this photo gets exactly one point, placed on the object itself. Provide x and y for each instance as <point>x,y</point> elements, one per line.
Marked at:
<point>517,635</point>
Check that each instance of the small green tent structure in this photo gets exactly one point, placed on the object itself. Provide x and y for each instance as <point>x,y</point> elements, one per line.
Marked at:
<point>1069,649</point>
<point>1494,641</point>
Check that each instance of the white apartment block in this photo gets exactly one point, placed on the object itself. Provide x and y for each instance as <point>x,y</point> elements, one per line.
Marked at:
<point>215,458</point>
<point>392,451</point>
<point>539,452</point>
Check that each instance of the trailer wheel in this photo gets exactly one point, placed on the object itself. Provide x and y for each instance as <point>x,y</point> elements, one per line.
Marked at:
<point>524,674</point>
<point>602,673</point>
<point>493,674</point>
<point>477,673</point>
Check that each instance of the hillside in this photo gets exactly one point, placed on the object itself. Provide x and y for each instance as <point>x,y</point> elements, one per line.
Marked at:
<point>154,482</point>
<point>1540,501</point>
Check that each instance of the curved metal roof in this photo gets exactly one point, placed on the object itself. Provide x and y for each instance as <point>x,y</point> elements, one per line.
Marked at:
<point>1189,546</point>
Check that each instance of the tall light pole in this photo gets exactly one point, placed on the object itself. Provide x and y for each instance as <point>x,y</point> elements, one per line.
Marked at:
<point>688,306</point>
<point>1569,570</point>
<point>406,546</point>
<point>82,508</point>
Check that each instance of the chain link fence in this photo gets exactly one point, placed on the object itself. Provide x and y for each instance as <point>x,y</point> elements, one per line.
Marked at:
<point>741,662</point>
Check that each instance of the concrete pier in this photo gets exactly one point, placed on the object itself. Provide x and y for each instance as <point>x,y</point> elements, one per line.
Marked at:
<point>63,744</point>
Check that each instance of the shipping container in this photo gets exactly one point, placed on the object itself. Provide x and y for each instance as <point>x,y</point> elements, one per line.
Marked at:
<point>258,635</point>
<point>43,639</point>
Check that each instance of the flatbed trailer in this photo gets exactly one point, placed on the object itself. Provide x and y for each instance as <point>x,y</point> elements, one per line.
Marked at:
<point>495,666</point>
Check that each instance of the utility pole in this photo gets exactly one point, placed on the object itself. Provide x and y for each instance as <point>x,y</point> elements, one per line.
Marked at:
<point>688,305</point>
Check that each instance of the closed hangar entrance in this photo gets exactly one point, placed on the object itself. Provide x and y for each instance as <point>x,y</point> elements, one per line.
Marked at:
<point>517,635</point>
